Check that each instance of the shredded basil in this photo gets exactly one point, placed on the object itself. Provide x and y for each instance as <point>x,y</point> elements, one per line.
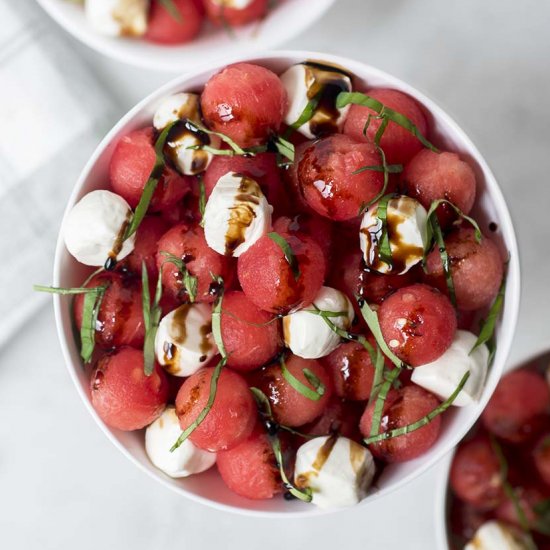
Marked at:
<point>151,318</point>
<point>312,394</point>
<point>172,9</point>
<point>235,148</point>
<point>384,246</point>
<point>217,319</point>
<point>202,199</point>
<point>445,261</point>
<point>390,169</point>
<point>190,282</point>
<point>389,378</point>
<point>435,204</point>
<point>287,251</point>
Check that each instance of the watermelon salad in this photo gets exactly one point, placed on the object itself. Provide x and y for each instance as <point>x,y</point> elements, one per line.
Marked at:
<point>500,476</point>
<point>169,22</point>
<point>288,284</point>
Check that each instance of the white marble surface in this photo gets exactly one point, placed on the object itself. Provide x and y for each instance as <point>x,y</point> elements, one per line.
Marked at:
<point>62,484</point>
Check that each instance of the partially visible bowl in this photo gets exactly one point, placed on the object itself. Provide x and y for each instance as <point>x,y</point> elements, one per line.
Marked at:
<point>287,19</point>
<point>491,207</point>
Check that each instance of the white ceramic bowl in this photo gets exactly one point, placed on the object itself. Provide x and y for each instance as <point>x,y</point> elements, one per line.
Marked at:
<point>287,19</point>
<point>208,488</point>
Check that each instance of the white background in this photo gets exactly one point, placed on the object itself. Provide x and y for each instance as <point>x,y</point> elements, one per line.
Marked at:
<point>63,485</point>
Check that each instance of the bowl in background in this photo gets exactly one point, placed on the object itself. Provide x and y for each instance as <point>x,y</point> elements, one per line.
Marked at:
<point>287,19</point>
<point>490,207</point>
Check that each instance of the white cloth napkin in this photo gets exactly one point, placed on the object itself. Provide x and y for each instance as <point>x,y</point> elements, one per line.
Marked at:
<point>52,115</point>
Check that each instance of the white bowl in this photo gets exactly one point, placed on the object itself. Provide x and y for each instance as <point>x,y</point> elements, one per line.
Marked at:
<point>208,488</point>
<point>287,19</point>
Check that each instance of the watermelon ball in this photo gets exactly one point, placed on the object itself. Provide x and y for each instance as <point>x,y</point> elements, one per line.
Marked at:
<point>325,176</point>
<point>401,408</point>
<point>418,323</point>
<point>316,227</point>
<point>120,318</point>
<point>222,12</point>
<point>249,469</point>
<point>541,457</point>
<point>151,229</point>
<point>476,268</point>
<point>261,167</point>
<point>518,408</point>
<point>165,27</point>
<point>431,176</point>
<point>230,103</point>
<point>352,370</point>
<point>475,474</point>
<point>230,420</point>
<point>339,416</point>
<point>399,145</point>
<point>122,395</point>
<point>289,406</point>
<point>250,335</point>
<point>131,165</point>
<point>267,279</point>
<point>189,245</point>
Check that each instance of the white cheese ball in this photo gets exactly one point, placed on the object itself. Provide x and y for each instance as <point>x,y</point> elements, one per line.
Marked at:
<point>442,376</point>
<point>338,470</point>
<point>308,335</point>
<point>186,460</point>
<point>237,214</point>
<point>494,535</point>
<point>184,341</point>
<point>118,17</point>
<point>407,223</point>
<point>302,82</point>
<point>94,228</point>
<point>185,106</point>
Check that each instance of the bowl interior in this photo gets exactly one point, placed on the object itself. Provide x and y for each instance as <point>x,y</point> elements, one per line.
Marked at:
<point>490,208</point>
<point>286,19</point>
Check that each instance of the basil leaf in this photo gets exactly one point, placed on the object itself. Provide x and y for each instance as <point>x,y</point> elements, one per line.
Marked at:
<point>287,251</point>
<point>152,182</point>
<point>197,127</point>
<point>435,204</point>
<point>204,413</point>
<point>384,247</point>
<point>217,318</point>
<point>300,387</point>
<point>488,327</point>
<point>190,282</point>
<point>378,364</point>
<point>542,509</point>
<point>307,114</point>
<point>151,317</point>
<point>262,401</point>
<point>202,199</point>
<point>172,9</point>
<point>357,98</point>
<point>285,148</point>
<point>314,381</point>
<point>390,377</point>
<point>445,261</point>
<point>374,437</point>
<point>390,169</point>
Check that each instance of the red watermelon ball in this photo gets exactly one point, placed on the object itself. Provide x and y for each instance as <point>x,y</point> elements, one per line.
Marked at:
<point>122,395</point>
<point>418,323</point>
<point>401,408</point>
<point>399,145</point>
<point>131,165</point>
<point>325,171</point>
<point>267,279</point>
<point>230,420</point>
<point>165,28</point>
<point>245,102</point>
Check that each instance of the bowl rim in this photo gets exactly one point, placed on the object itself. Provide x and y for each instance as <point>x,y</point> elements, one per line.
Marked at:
<point>109,47</point>
<point>497,198</point>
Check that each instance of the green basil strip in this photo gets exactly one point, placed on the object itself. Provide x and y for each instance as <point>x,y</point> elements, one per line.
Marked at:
<point>193,125</point>
<point>217,319</point>
<point>371,318</point>
<point>390,377</point>
<point>204,413</point>
<point>384,247</point>
<point>287,251</point>
<point>312,394</point>
<point>190,282</point>
<point>488,327</point>
<point>435,204</point>
<point>374,438</point>
<point>285,148</point>
<point>151,184</point>
<point>172,9</point>
<point>315,382</point>
<point>151,317</point>
<point>445,261</point>
<point>381,130</point>
<point>202,199</point>
<point>306,116</point>
<point>357,98</point>
<point>542,509</point>
<point>263,402</point>
<point>390,168</point>
<point>508,489</point>
<point>378,378</point>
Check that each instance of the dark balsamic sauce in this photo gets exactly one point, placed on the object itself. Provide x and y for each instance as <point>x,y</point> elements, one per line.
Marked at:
<point>185,129</point>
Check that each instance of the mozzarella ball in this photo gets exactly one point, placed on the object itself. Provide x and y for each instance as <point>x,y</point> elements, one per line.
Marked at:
<point>443,375</point>
<point>182,138</point>
<point>303,82</point>
<point>184,341</point>
<point>118,17</point>
<point>338,470</point>
<point>237,214</point>
<point>94,228</point>
<point>494,534</point>
<point>407,226</point>
<point>308,335</point>
<point>186,460</point>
